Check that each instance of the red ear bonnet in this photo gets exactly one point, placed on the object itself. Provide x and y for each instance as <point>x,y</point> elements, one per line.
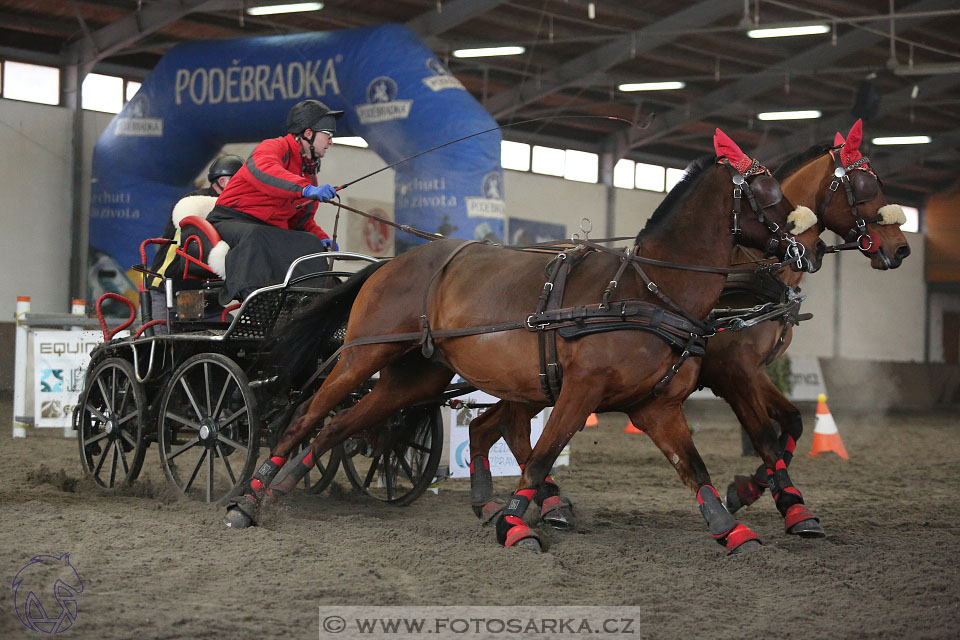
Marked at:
<point>726,147</point>
<point>851,150</point>
<point>838,140</point>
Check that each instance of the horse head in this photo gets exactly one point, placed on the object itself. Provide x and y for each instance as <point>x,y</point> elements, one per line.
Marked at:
<point>762,216</point>
<point>848,196</point>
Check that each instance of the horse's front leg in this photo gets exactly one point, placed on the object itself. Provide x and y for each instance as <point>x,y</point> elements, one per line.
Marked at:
<point>578,399</point>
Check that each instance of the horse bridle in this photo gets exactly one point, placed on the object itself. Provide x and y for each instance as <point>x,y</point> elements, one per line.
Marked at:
<point>863,191</point>
<point>771,189</point>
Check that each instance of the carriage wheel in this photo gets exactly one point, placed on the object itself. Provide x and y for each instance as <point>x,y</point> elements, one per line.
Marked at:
<point>110,424</point>
<point>396,462</point>
<point>209,431</point>
<point>324,471</point>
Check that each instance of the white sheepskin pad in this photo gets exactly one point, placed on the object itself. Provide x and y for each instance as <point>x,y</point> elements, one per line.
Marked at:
<point>802,218</point>
<point>198,206</point>
<point>891,214</point>
<point>218,259</point>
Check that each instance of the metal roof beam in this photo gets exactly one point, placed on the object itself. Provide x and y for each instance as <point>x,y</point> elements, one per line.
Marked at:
<point>432,23</point>
<point>734,93</point>
<point>623,48</point>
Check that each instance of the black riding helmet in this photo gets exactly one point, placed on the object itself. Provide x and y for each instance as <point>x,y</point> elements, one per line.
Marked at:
<point>312,114</point>
<point>224,166</point>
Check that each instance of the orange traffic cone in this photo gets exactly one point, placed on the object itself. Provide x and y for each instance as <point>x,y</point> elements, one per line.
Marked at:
<point>630,428</point>
<point>825,434</point>
<point>592,420</point>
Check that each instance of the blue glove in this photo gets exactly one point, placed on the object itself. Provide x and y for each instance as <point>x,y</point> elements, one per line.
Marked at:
<point>329,244</point>
<point>322,192</point>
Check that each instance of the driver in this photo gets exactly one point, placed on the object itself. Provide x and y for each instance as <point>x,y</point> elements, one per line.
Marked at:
<point>263,214</point>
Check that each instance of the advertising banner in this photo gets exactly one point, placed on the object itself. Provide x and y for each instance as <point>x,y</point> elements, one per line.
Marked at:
<point>502,462</point>
<point>59,362</point>
<point>201,95</point>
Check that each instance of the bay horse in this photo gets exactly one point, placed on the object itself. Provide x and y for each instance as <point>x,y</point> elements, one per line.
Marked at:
<point>838,183</point>
<point>453,306</point>
<point>734,365</point>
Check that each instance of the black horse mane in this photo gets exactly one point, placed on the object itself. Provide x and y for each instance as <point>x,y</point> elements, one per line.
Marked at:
<point>694,172</point>
<point>793,164</point>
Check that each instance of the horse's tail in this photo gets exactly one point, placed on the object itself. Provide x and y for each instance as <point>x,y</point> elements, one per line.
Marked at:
<point>304,338</point>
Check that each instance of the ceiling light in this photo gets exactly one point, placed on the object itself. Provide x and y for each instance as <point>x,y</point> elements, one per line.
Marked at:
<point>789,115</point>
<point>782,32</point>
<point>903,140</point>
<point>652,86</point>
<point>296,7</point>
<point>488,51</point>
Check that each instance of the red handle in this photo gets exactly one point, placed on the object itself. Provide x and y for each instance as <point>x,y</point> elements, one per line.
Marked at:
<point>107,333</point>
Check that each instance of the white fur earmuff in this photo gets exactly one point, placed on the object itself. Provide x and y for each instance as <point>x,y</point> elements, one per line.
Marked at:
<point>802,218</point>
<point>891,214</point>
<point>218,259</point>
<point>198,206</point>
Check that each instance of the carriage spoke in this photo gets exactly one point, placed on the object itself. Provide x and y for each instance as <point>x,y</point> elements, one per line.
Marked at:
<point>372,470</point>
<point>206,386</point>
<point>113,464</point>
<point>223,395</point>
<point>129,438</point>
<point>113,388</point>
<point>232,417</point>
<point>96,412</point>
<point>173,454</point>
<point>388,475</point>
<point>209,476</point>
<point>103,458</point>
<point>189,392</point>
<point>123,457</point>
<point>104,394</point>
<point>236,445</point>
<point>128,417</point>
<point>96,438</point>
<point>184,421</point>
<point>226,463</point>
<point>196,469</point>
<point>419,447</point>
<point>406,468</point>
<point>124,395</point>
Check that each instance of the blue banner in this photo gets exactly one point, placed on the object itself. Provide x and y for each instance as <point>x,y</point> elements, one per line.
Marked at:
<point>395,93</point>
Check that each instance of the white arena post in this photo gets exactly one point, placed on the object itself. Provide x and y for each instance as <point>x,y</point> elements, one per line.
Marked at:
<point>20,376</point>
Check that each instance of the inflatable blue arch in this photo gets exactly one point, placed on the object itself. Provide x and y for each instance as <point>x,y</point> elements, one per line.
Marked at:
<point>396,94</point>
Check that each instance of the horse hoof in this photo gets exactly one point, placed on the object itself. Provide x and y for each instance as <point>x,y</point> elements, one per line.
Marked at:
<point>809,528</point>
<point>561,519</point>
<point>746,547</point>
<point>489,511</point>
<point>530,544</point>
<point>237,519</point>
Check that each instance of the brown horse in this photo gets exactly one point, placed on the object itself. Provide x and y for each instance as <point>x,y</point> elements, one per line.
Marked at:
<point>734,363</point>
<point>855,209</point>
<point>449,285</point>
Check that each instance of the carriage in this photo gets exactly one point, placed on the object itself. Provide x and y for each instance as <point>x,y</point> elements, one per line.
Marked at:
<point>206,392</point>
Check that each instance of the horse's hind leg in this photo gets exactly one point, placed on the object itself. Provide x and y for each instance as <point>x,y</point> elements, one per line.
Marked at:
<point>666,425</point>
<point>756,404</point>
<point>355,367</point>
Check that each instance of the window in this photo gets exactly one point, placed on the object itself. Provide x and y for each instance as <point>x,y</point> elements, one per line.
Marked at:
<point>514,155</point>
<point>31,82</point>
<point>581,166</point>
<point>549,161</point>
<point>623,173</point>
<point>650,176</point>
<point>674,176</point>
<point>131,90</point>
<point>102,93</point>
<point>913,220</point>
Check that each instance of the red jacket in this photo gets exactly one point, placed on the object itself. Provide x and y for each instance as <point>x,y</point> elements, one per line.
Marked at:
<point>270,184</point>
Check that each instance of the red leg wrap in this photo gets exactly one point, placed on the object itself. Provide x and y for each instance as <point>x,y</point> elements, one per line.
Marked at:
<point>518,531</point>
<point>551,503</point>
<point>737,536</point>
<point>797,513</point>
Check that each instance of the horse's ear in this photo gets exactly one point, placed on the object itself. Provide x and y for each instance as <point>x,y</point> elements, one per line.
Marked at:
<point>851,150</point>
<point>838,140</point>
<point>726,147</point>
